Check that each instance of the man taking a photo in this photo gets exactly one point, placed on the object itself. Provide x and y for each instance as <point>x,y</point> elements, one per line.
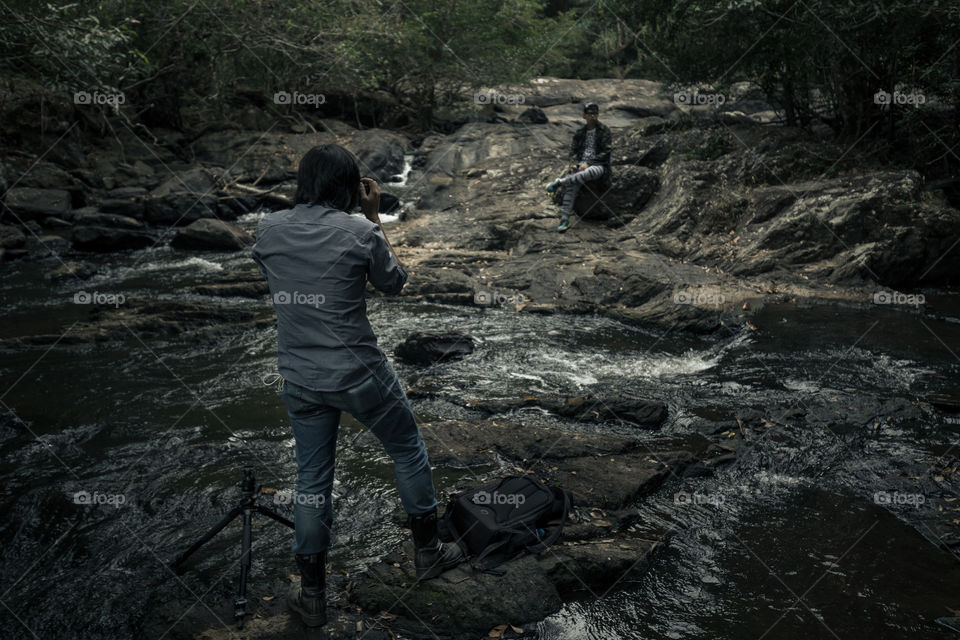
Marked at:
<point>317,260</point>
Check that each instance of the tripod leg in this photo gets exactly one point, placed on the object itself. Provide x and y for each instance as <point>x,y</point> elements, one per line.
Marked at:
<point>240,604</point>
<point>273,514</point>
<point>233,513</point>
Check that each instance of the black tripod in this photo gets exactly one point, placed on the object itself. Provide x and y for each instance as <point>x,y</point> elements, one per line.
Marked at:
<point>247,506</point>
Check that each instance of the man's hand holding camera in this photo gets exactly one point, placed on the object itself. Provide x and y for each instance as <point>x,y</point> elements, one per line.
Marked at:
<point>370,199</point>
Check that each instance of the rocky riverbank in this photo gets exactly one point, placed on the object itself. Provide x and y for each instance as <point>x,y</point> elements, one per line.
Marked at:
<point>713,214</point>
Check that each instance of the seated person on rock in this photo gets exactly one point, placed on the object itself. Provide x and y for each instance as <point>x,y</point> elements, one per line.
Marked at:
<point>590,159</point>
<point>317,260</point>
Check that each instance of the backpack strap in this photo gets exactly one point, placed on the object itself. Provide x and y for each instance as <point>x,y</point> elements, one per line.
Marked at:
<point>475,562</point>
<point>555,535</point>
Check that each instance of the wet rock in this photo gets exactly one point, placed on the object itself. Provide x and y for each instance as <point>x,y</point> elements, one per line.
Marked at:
<point>235,206</point>
<point>55,223</point>
<point>620,201</point>
<point>389,203</point>
<point>256,289</point>
<point>126,201</point>
<point>107,220</point>
<point>11,237</point>
<point>101,239</point>
<point>459,603</point>
<point>184,198</point>
<point>533,115</point>
<point>617,481</point>
<point>642,413</point>
<point>212,234</point>
<point>115,318</point>
<point>124,193</point>
<point>466,604</point>
<point>29,203</point>
<point>379,153</point>
<point>271,157</point>
<point>45,175</point>
<point>48,244</point>
<point>949,402</point>
<point>652,125</point>
<point>11,425</point>
<point>427,347</point>
<point>71,270</point>
<point>462,444</point>
<point>602,470</point>
<point>485,141</point>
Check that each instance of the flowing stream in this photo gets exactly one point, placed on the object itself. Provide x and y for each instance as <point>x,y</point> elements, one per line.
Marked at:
<point>789,540</point>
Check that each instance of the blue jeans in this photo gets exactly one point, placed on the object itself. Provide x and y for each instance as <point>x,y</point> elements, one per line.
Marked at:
<point>381,405</point>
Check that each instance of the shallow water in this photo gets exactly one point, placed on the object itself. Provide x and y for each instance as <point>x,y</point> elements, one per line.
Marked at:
<point>789,540</point>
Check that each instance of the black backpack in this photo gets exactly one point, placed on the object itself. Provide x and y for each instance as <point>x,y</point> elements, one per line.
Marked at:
<point>499,521</point>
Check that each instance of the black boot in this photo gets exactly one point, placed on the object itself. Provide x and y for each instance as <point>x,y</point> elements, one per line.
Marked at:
<point>309,599</point>
<point>431,557</point>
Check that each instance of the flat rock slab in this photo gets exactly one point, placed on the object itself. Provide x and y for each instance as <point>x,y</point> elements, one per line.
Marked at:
<point>601,470</point>
<point>616,481</point>
<point>465,604</point>
<point>650,414</point>
<point>461,443</point>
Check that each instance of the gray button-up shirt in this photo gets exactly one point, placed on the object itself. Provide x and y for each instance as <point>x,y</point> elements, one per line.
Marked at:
<point>317,261</point>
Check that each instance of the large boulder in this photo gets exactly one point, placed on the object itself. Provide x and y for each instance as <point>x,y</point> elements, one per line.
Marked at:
<point>184,198</point>
<point>99,238</point>
<point>43,175</point>
<point>30,203</point>
<point>211,234</point>
<point>622,199</point>
<point>251,155</point>
<point>379,153</point>
<point>11,237</point>
<point>856,228</point>
<point>127,201</point>
<point>502,142</point>
<point>427,347</point>
<point>462,604</point>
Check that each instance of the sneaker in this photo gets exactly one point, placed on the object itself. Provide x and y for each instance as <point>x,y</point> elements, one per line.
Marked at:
<point>553,186</point>
<point>563,226</point>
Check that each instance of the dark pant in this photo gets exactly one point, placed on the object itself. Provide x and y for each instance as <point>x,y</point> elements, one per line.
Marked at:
<point>571,187</point>
<point>380,404</point>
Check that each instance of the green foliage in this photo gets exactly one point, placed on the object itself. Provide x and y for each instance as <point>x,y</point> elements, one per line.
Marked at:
<point>426,52</point>
<point>64,47</point>
<point>200,55</point>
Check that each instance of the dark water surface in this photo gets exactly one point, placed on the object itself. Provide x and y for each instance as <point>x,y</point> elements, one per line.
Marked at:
<point>788,541</point>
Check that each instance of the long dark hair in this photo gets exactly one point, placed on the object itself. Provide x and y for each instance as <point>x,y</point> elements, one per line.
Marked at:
<point>329,174</point>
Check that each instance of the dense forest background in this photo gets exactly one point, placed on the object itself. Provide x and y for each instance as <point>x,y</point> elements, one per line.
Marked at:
<point>184,64</point>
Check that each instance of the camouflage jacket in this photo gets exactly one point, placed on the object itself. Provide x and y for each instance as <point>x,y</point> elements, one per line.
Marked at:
<point>601,152</point>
